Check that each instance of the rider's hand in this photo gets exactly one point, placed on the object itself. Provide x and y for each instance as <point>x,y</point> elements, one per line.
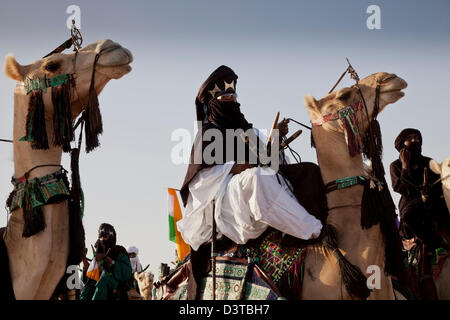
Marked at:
<point>405,157</point>
<point>108,260</point>
<point>99,256</point>
<point>283,127</point>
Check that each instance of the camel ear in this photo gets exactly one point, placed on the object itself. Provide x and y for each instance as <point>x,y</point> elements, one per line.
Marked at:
<point>311,106</point>
<point>435,167</point>
<point>15,70</point>
<point>310,103</point>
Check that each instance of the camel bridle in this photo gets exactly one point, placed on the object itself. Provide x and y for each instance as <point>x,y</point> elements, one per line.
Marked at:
<point>340,114</point>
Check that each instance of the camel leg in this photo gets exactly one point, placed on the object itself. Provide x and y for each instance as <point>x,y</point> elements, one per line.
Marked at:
<point>38,263</point>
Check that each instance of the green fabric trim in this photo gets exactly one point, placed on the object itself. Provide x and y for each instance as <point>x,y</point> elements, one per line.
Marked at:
<point>42,190</point>
<point>41,84</point>
<point>347,182</point>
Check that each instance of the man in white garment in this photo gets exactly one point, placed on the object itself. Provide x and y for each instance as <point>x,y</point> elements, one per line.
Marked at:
<point>247,199</point>
<point>133,253</point>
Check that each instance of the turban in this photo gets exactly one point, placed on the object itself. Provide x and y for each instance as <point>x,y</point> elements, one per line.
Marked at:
<point>133,249</point>
<point>402,136</point>
<point>222,80</point>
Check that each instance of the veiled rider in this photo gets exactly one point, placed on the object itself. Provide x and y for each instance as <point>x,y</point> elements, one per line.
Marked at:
<point>425,220</point>
<point>247,198</point>
<point>422,207</point>
<point>110,270</point>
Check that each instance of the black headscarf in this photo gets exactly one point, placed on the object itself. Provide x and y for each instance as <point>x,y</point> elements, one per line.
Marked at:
<point>102,246</point>
<point>214,114</point>
<point>402,137</point>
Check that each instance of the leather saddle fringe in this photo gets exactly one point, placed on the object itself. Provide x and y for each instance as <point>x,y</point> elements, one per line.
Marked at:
<point>33,218</point>
<point>352,277</point>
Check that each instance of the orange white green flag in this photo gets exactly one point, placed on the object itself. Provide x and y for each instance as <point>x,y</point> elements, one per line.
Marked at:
<point>174,216</point>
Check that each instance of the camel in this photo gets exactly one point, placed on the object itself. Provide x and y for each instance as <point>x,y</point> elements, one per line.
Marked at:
<point>37,263</point>
<point>443,170</point>
<point>362,247</point>
<point>443,280</point>
<point>145,280</point>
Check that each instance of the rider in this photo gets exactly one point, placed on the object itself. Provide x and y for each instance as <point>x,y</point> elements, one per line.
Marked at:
<point>425,221</point>
<point>422,207</point>
<point>110,269</point>
<point>247,198</point>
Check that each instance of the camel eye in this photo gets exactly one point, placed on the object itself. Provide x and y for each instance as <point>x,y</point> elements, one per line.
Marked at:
<point>345,96</point>
<point>52,66</point>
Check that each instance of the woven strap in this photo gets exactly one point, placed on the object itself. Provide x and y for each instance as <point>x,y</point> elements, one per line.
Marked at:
<point>41,84</point>
<point>343,183</point>
<point>336,115</point>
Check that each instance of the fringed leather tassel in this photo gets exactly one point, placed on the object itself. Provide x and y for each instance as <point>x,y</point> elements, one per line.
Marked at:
<point>371,206</point>
<point>62,117</point>
<point>33,218</point>
<point>383,205</point>
<point>93,117</point>
<point>373,148</point>
<point>352,135</point>
<point>36,128</point>
<point>76,229</point>
<point>352,277</point>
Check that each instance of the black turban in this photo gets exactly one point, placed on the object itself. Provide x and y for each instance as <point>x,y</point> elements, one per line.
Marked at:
<point>106,229</point>
<point>222,80</point>
<point>402,136</point>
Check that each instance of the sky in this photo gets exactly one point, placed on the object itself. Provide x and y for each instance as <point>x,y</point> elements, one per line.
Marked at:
<point>281,51</point>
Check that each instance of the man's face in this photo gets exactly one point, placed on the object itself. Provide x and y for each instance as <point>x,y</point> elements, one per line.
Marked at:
<point>412,142</point>
<point>132,255</point>
<point>106,238</point>
<point>411,138</point>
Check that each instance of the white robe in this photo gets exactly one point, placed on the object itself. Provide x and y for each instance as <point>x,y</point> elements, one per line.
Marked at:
<point>245,205</point>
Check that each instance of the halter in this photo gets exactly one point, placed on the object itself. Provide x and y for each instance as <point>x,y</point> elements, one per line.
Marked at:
<point>338,115</point>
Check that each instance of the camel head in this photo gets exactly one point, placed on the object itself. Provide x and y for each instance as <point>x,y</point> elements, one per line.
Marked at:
<point>442,169</point>
<point>145,282</point>
<point>390,91</point>
<point>113,63</point>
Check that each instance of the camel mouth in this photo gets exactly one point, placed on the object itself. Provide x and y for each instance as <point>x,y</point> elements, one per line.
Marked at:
<point>121,57</point>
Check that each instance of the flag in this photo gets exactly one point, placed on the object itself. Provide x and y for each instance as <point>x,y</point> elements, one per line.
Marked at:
<point>174,216</point>
<point>93,271</point>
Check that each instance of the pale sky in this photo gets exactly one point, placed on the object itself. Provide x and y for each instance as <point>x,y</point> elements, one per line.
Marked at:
<point>281,51</point>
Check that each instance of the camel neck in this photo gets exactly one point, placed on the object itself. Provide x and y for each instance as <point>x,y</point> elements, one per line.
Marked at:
<point>25,157</point>
<point>335,163</point>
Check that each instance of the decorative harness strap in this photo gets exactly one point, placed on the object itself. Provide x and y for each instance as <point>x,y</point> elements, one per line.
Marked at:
<point>339,114</point>
<point>348,182</point>
<point>41,84</point>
